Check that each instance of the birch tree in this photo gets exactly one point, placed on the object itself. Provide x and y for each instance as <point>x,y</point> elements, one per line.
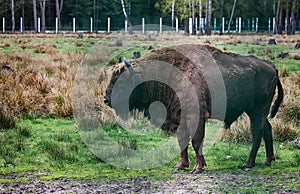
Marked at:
<point>126,12</point>
<point>200,18</point>
<point>231,16</point>
<point>12,15</point>
<point>173,11</point>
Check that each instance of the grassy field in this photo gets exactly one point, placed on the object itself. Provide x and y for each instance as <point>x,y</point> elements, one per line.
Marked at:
<point>46,139</point>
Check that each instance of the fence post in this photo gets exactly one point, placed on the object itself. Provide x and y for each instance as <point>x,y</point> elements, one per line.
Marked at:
<point>160,25</point>
<point>21,24</point>
<point>3,24</point>
<point>143,25</point>
<point>240,25</point>
<point>274,24</point>
<point>256,25</point>
<point>125,25</point>
<point>176,24</point>
<point>74,25</point>
<point>190,25</point>
<point>39,25</point>
<point>56,25</point>
<point>108,24</point>
<point>236,24</point>
<point>223,24</point>
<point>91,27</point>
<point>215,23</point>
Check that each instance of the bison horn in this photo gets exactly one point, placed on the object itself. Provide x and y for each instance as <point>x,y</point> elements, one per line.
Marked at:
<point>128,65</point>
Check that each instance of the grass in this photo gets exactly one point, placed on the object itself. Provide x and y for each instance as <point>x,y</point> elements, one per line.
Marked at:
<point>56,147</point>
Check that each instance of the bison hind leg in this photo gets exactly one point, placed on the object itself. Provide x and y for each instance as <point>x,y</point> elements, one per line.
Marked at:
<point>268,138</point>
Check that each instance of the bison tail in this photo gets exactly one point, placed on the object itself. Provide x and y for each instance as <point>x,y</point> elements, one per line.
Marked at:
<point>278,100</point>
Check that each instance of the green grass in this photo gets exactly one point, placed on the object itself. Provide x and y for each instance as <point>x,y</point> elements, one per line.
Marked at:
<point>55,147</point>
<point>267,52</point>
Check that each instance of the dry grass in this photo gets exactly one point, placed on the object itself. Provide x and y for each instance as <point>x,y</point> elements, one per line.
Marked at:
<point>38,86</point>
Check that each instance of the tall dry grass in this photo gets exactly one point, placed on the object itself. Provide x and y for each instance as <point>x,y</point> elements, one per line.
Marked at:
<point>38,85</point>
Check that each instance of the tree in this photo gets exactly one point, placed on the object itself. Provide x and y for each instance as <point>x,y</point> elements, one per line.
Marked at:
<point>58,9</point>
<point>231,16</point>
<point>13,24</point>
<point>279,18</point>
<point>208,17</point>
<point>126,12</point>
<point>43,7</point>
<point>200,18</point>
<point>34,15</point>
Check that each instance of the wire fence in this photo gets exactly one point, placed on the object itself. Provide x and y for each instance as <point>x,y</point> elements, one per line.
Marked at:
<point>158,24</point>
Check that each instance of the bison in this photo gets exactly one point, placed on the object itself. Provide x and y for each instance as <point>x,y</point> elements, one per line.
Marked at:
<point>225,85</point>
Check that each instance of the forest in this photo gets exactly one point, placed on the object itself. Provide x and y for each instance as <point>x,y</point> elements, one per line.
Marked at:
<point>134,10</point>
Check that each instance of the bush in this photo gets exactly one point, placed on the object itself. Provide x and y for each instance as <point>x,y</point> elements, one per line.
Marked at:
<point>7,121</point>
<point>291,113</point>
<point>284,132</point>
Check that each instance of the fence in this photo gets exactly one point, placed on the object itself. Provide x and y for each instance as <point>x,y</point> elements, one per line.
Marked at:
<point>143,25</point>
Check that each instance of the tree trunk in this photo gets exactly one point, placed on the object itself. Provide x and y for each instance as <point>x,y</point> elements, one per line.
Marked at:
<point>208,18</point>
<point>221,17</point>
<point>34,15</point>
<point>58,12</point>
<point>231,16</point>
<point>13,16</point>
<point>23,12</point>
<point>293,20</point>
<point>43,8</point>
<point>173,11</point>
<point>279,18</point>
<point>200,18</point>
<point>186,20</point>
<point>288,23</point>
<point>126,15</point>
<point>194,32</point>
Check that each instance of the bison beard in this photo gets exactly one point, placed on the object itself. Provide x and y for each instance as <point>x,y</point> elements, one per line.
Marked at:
<point>250,85</point>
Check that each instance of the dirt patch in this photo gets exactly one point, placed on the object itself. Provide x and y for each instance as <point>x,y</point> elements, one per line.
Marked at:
<point>207,182</point>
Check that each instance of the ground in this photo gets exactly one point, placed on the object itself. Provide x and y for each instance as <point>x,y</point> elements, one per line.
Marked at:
<point>207,182</point>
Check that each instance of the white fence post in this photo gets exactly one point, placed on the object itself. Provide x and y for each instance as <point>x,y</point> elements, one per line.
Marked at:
<point>56,25</point>
<point>215,23</point>
<point>74,25</point>
<point>223,24</point>
<point>240,25</point>
<point>190,25</point>
<point>176,24</point>
<point>3,24</point>
<point>143,25</point>
<point>21,24</point>
<point>91,27</point>
<point>256,25</point>
<point>108,24</point>
<point>274,24</point>
<point>236,24</point>
<point>160,25</point>
<point>269,24</point>
<point>39,25</point>
<point>125,25</point>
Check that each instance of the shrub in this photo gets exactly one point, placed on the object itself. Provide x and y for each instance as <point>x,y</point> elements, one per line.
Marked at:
<point>284,132</point>
<point>7,121</point>
<point>239,131</point>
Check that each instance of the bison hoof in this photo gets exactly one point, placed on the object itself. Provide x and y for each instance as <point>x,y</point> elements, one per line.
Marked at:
<point>266,164</point>
<point>197,171</point>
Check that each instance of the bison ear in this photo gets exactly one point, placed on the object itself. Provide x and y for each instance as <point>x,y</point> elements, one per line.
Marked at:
<point>128,65</point>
